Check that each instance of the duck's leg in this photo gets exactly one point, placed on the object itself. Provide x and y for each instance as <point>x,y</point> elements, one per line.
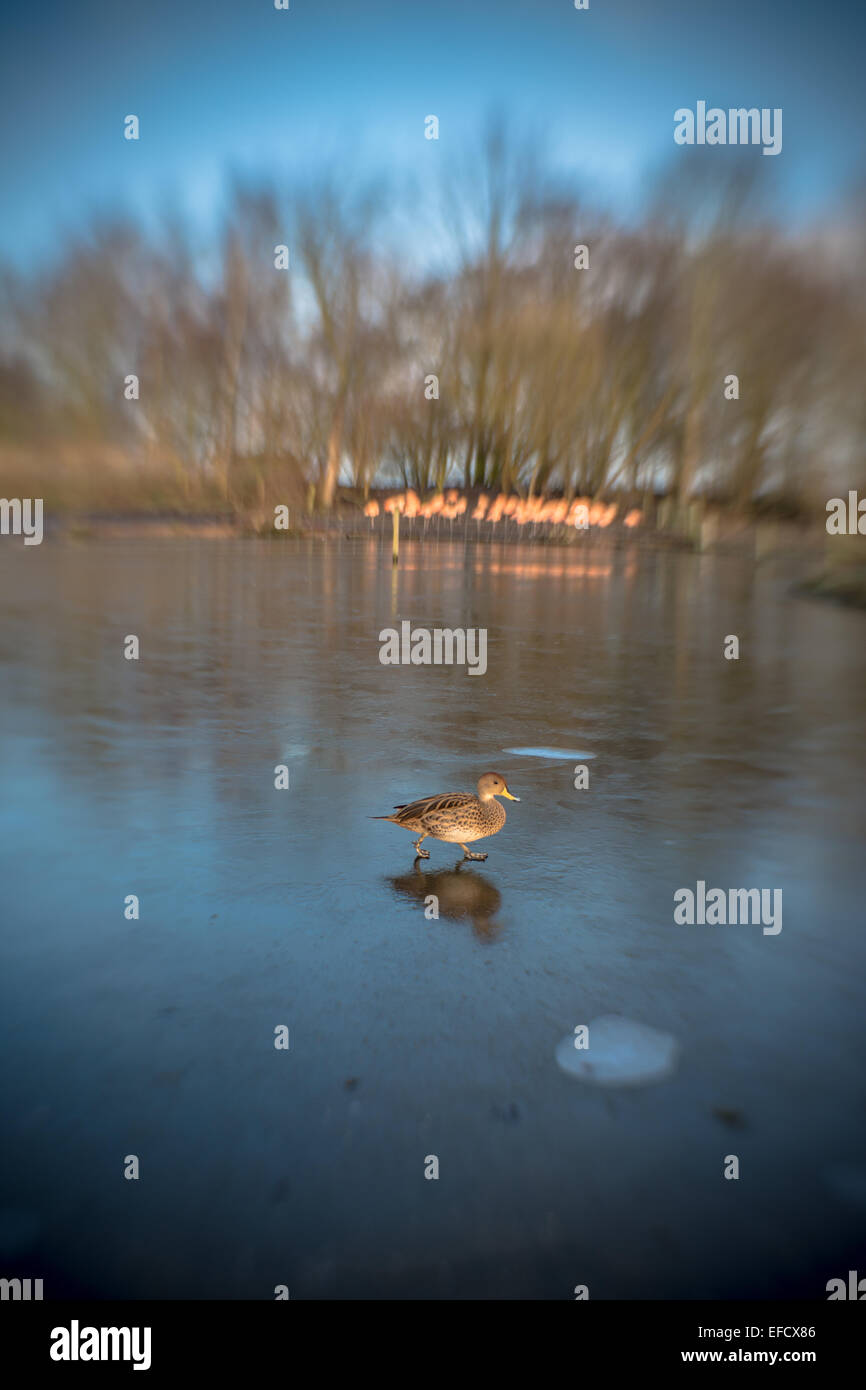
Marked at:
<point>468,854</point>
<point>421,853</point>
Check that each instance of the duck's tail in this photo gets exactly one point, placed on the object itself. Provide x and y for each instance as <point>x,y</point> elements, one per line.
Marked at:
<point>402,806</point>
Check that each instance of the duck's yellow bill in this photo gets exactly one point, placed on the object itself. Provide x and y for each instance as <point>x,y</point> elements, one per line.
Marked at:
<point>509,795</point>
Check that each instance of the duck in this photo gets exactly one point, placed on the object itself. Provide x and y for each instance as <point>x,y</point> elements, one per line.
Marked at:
<point>458,818</point>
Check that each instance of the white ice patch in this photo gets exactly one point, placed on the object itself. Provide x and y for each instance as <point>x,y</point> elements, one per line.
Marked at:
<point>620,1053</point>
<point>548,753</point>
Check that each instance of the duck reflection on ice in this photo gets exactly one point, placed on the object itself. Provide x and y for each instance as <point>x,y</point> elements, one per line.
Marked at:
<point>459,892</point>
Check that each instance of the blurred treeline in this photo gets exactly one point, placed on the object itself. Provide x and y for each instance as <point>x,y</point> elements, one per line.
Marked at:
<point>259,385</point>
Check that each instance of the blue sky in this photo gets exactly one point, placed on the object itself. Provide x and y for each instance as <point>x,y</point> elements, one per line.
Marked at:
<point>236,84</point>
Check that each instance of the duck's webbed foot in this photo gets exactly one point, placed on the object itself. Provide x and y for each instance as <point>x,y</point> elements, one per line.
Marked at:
<point>421,853</point>
<point>469,854</point>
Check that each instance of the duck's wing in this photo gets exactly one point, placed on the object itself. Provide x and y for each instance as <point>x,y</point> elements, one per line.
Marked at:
<point>444,801</point>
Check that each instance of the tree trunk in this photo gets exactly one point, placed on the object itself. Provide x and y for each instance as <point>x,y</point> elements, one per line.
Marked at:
<point>332,465</point>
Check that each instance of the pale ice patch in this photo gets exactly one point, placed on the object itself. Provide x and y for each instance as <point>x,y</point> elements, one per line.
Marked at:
<point>621,1052</point>
<point>547,753</point>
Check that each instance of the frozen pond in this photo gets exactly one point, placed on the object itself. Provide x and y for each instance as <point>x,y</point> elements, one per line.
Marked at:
<point>415,1036</point>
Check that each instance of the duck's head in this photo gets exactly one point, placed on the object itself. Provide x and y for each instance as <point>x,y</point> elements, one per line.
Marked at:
<point>492,784</point>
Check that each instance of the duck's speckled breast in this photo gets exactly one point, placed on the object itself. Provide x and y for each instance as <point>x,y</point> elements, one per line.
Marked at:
<point>479,819</point>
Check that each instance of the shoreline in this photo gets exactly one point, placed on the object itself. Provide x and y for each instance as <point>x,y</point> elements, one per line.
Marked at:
<point>841,584</point>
